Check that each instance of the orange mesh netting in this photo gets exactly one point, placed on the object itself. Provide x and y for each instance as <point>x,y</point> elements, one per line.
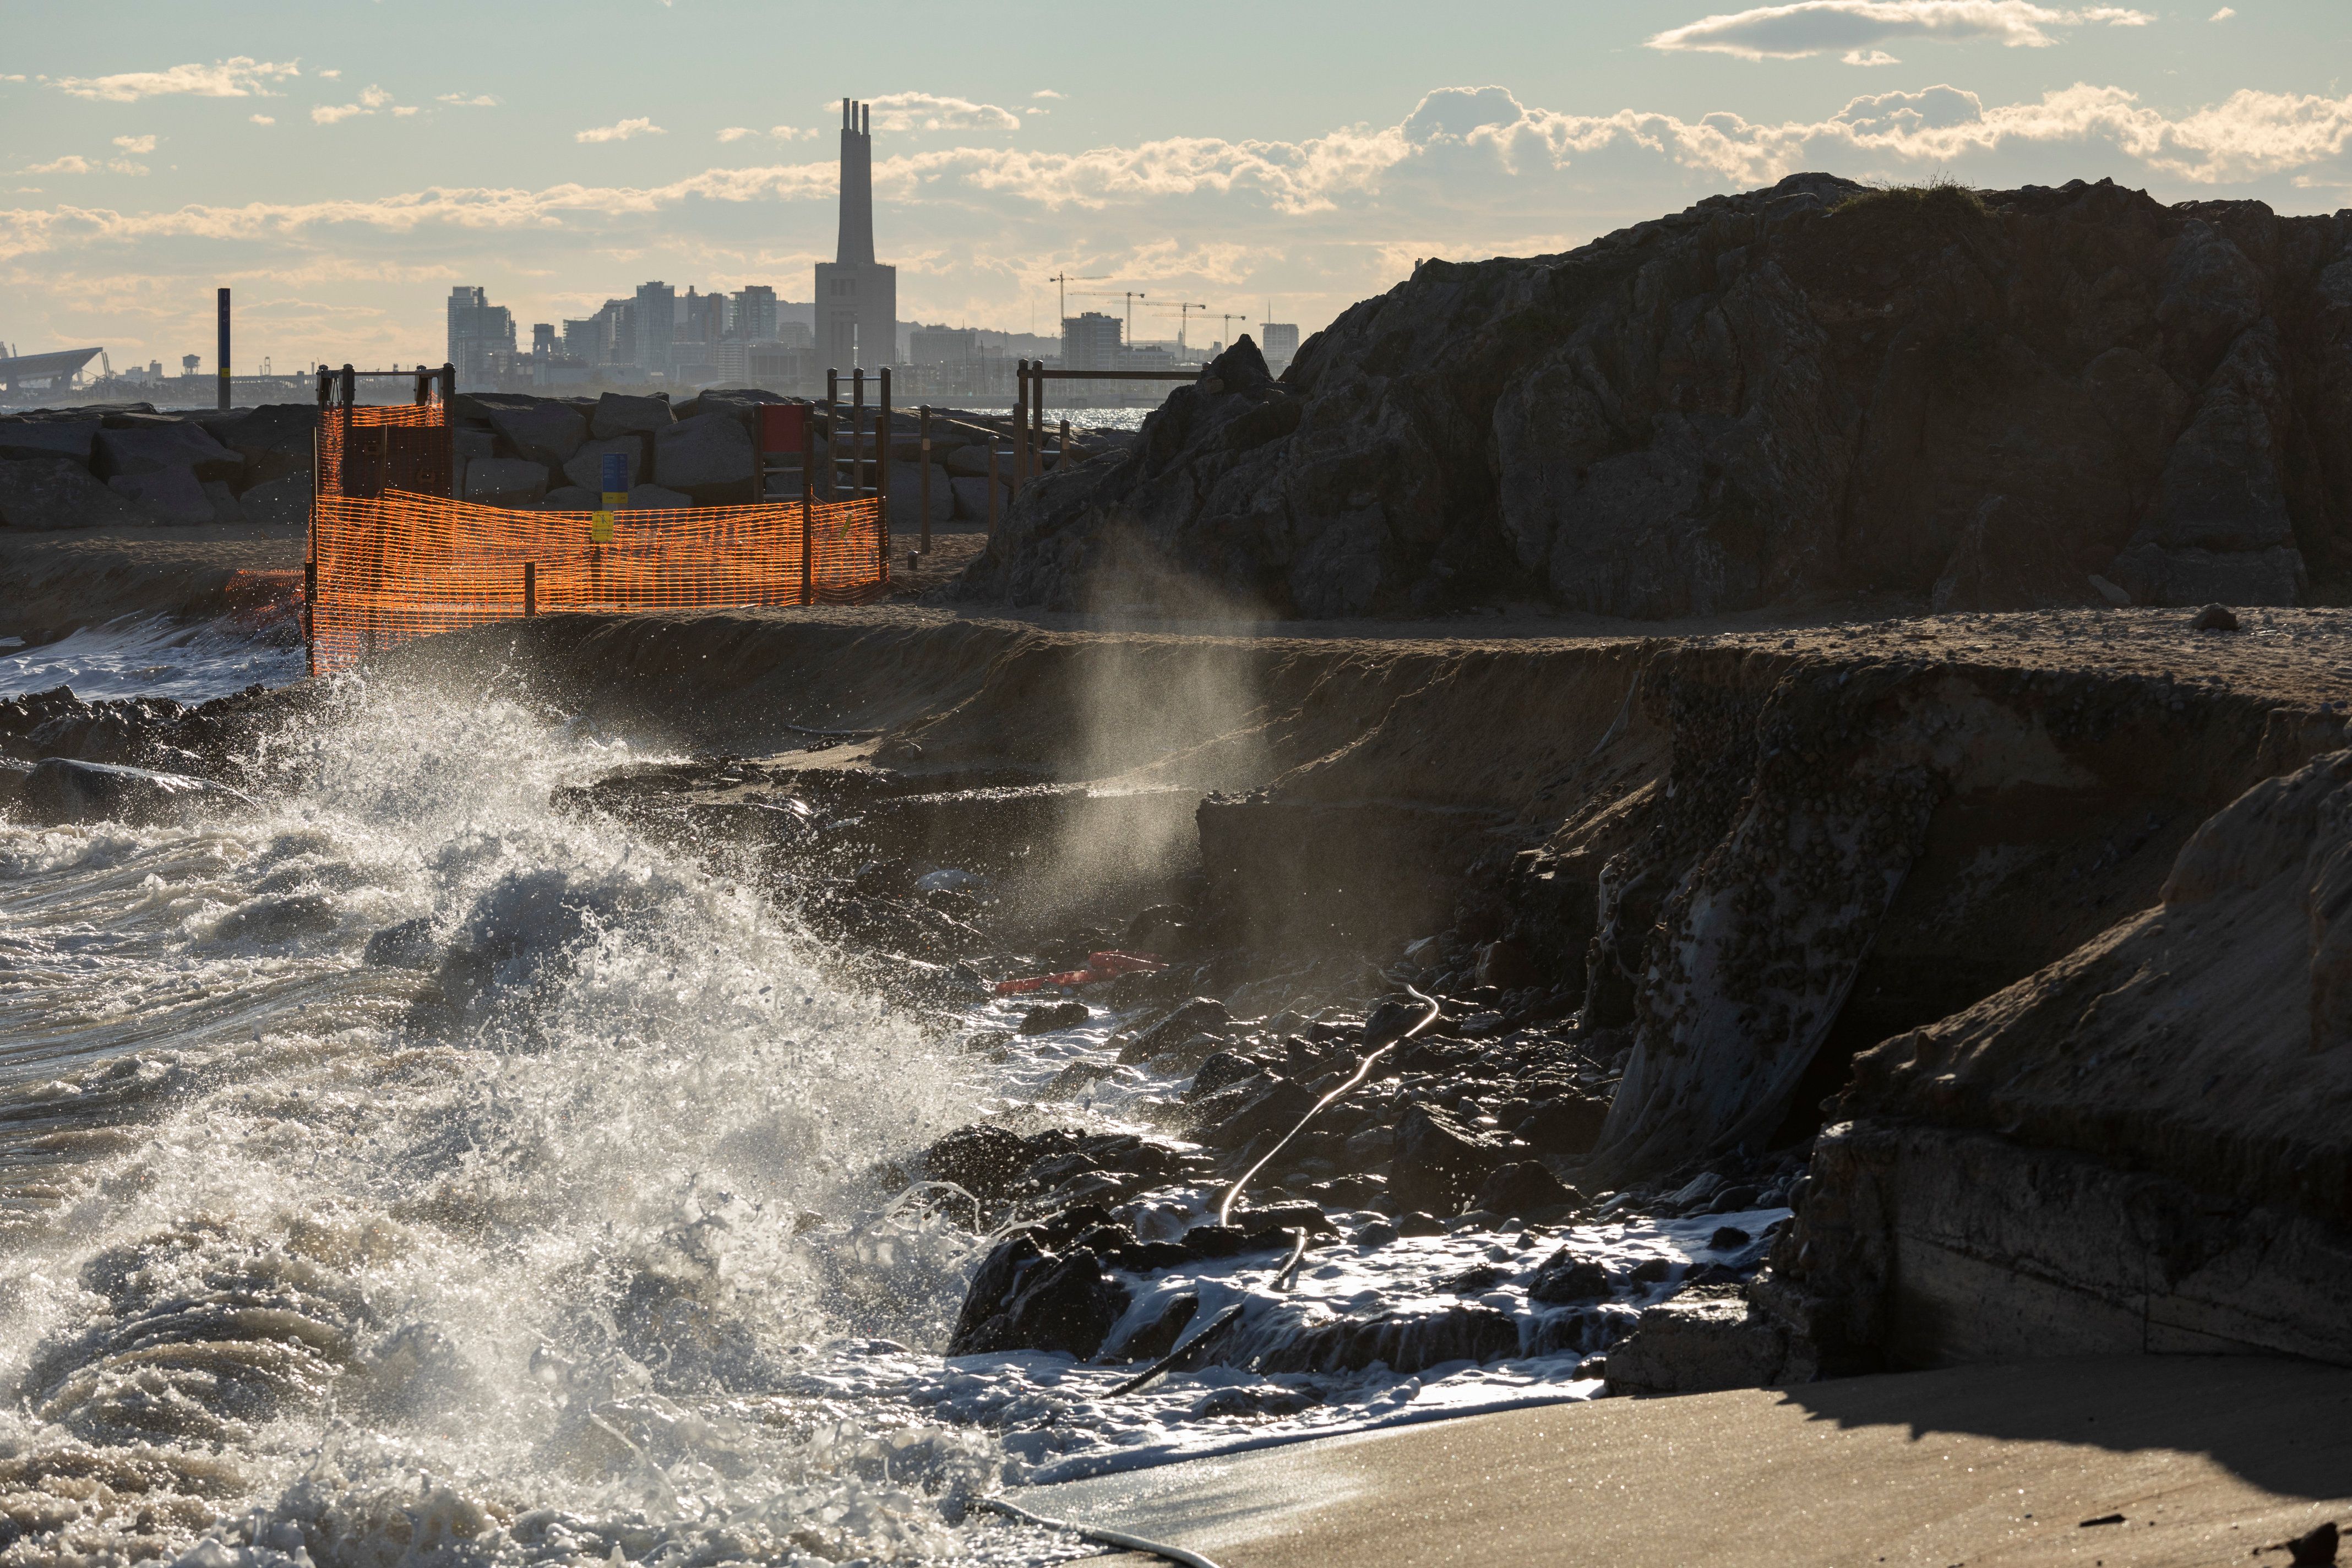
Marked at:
<point>401,565</point>
<point>396,558</point>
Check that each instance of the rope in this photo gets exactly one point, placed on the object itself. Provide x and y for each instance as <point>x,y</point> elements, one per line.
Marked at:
<point>1216,1325</point>
<point>1363,1068</point>
<point>1119,1537</point>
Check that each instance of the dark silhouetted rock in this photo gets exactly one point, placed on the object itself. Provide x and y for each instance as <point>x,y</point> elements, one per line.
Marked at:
<point>1241,368</point>
<point>1526,1189</point>
<point>620,415</point>
<point>1200,1016</point>
<point>61,791</point>
<point>153,448</point>
<point>167,495</point>
<point>548,434</point>
<point>1405,1343</point>
<point>1052,1015</point>
<point>707,457</point>
<point>1564,1128</point>
<point>656,498</point>
<point>1564,1277</point>
<point>505,481</point>
<point>2215,618</point>
<point>73,438</point>
<point>58,492</point>
<point>586,468</point>
<point>280,503</point>
<point>1810,389</point>
<point>1046,1301</point>
<point>1441,1164</point>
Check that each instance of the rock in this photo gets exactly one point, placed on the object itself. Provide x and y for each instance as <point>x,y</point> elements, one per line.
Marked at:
<point>225,506</point>
<point>586,468</point>
<point>1241,368</point>
<point>162,449</point>
<point>1407,1342</point>
<point>1439,1162</point>
<point>1564,1128</point>
<point>971,498</point>
<point>707,457</point>
<point>61,791</point>
<point>1565,1278</point>
<point>618,414</point>
<point>1727,1238</point>
<point>408,945</point>
<point>2215,618</point>
<point>1200,1016</point>
<point>656,498</point>
<point>2112,592</point>
<point>1526,1189</point>
<point>970,462</point>
<point>1767,397</point>
<point>1221,1070</point>
<point>1700,1344</point>
<point>570,498</point>
<point>548,434</point>
<point>282,502</point>
<point>505,481</point>
<point>1419,1223</point>
<point>1251,1109</point>
<point>1053,1016</point>
<point>1158,1337</point>
<point>58,492</point>
<point>1505,966</point>
<point>2314,1547</point>
<point>276,440</point>
<point>167,495</point>
<point>906,496</point>
<point>1049,1302</point>
<point>1378,1232</point>
<point>469,446</point>
<point>1474,1281</point>
<point>981,1159</point>
<point>72,439</point>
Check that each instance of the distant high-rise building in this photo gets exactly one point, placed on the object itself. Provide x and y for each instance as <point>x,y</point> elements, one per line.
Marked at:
<point>856,297</point>
<point>942,345</point>
<point>755,314</point>
<point>656,323</point>
<point>584,338</point>
<point>1091,342</point>
<point>542,339</point>
<point>477,330</point>
<point>1278,342</point>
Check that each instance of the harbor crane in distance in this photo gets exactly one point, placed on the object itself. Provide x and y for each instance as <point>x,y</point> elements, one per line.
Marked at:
<point>1061,282</point>
<point>1183,314</point>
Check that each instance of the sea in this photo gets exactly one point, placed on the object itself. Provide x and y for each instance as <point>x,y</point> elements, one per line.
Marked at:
<point>590,1257</point>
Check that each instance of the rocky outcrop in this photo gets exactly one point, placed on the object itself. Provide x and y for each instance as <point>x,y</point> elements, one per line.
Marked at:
<point>58,492</point>
<point>1995,401</point>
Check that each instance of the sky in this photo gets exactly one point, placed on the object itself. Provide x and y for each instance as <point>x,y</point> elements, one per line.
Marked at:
<point>342,163</point>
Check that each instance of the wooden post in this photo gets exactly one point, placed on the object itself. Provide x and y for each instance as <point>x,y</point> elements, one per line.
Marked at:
<point>1038,422</point>
<point>351,394</point>
<point>1020,423</point>
<point>923,455</point>
<point>224,351</point>
<point>1061,452</point>
<point>530,588</point>
<point>310,610</point>
<point>882,468</point>
<point>857,433</point>
<point>808,495</point>
<point>992,488</point>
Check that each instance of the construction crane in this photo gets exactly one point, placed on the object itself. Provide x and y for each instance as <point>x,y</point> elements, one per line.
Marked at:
<point>1183,314</point>
<point>1130,296</point>
<point>1061,280</point>
<point>1229,319</point>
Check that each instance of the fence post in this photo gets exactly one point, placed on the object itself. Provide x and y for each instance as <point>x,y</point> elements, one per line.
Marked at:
<point>530,588</point>
<point>832,446</point>
<point>449,428</point>
<point>1020,421</point>
<point>991,490</point>
<point>1061,452</point>
<point>857,433</point>
<point>808,494</point>
<point>351,394</point>
<point>882,468</point>
<point>310,611</point>
<point>923,455</point>
<point>1037,423</point>
<point>224,399</point>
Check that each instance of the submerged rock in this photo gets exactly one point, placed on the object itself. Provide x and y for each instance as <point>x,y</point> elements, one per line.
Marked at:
<point>61,791</point>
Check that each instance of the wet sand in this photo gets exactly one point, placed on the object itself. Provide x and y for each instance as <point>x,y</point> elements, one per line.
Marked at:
<point>2206,1458</point>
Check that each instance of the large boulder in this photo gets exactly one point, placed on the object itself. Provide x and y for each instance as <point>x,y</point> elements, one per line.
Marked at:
<point>58,492</point>
<point>906,495</point>
<point>971,498</point>
<point>174,496</point>
<point>155,447</point>
<point>283,502</point>
<point>546,434</point>
<point>656,498</point>
<point>275,439</point>
<point>74,438</point>
<point>1988,398</point>
<point>62,791</point>
<point>708,457</point>
<point>620,415</point>
<point>586,468</point>
<point>505,481</point>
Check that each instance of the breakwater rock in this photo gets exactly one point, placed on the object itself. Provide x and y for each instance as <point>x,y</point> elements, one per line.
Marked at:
<point>1985,401</point>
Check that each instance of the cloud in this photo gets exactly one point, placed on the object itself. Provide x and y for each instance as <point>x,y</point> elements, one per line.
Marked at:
<point>929,112</point>
<point>370,99</point>
<point>241,77</point>
<point>736,133</point>
<point>2223,14</point>
<point>263,118</point>
<point>779,133</point>
<point>1869,58</point>
<point>1855,27</point>
<point>332,74</point>
<point>72,164</point>
<point>374,97</point>
<point>135,143</point>
<point>331,113</point>
<point>1048,92</point>
<point>479,100</point>
<point>622,131</point>
<point>402,111</point>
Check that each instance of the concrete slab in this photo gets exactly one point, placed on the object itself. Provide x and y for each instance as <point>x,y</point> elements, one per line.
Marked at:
<point>2206,1458</point>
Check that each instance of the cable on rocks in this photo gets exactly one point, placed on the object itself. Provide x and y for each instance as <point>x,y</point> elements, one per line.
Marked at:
<point>1164,1363</point>
<point>1119,1537</point>
<point>1364,1069</point>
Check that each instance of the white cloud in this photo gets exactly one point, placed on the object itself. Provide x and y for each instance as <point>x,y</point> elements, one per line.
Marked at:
<point>370,99</point>
<point>135,143</point>
<point>263,118</point>
<point>17,76</point>
<point>1869,58</point>
<point>125,166</point>
<point>331,113</point>
<point>1048,92</point>
<point>736,133</point>
<point>332,74</point>
<point>374,97</point>
<point>622,131</point>
<point>241,77</point>
<point>402,111</point>
<point>2223,14</point>
<point>72,164</point>
<point>1854,28</point>
<point>479,100</point>
<point>929,112</point>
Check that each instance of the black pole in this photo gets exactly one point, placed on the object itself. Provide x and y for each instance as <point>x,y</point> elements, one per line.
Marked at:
<point>882,468</point>
<point>224,351</point>
<point>531,587</point>
<point>808,495</point>
<point>857,432</point>
<point>832,419</point>
<point>923,455</point>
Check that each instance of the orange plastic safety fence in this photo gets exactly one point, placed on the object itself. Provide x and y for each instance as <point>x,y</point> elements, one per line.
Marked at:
<point>403,566</point>
<point>369,448</point>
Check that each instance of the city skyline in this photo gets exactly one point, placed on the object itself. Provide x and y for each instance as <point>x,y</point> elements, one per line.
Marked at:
<point>344,169</point>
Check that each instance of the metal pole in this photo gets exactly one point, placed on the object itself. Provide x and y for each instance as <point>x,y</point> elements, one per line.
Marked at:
<point>882,468</point>
<point>530,588</point>
<point>992,490</point>
<point>424,386</point>
<point>808,494</point>
<point>224,351</point>
<point>310,610</point>
<point>832,446</point>
<point>449,428</point>
<point>1037,421</point>
<point>857,432</point>
<point>1020,424</point>
<point>351,394</point>
<point>1061,452</point>
<point>923,454</point>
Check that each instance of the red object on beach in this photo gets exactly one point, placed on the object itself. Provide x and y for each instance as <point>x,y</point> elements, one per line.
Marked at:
<point>256,598</point>
<point>1100,966</point>
<point>781,425</point>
